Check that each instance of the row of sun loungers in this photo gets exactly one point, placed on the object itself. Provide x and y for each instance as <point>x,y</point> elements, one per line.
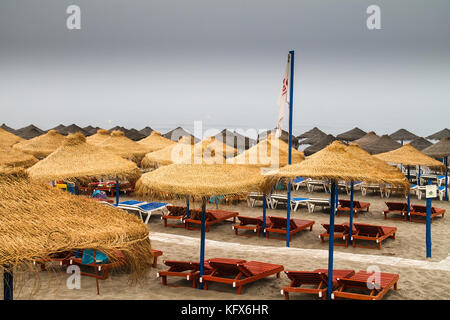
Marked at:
<point>396,209</point>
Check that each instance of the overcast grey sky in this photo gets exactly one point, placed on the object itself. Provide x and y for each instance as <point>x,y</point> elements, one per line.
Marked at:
<point>169,63</point>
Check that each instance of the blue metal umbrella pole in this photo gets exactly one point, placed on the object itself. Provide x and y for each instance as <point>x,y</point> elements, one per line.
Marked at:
<point>264,214</point>
<point>187,207</point>
<point>446,178</point>
<point>428,232</point>
<point>288,214</point>
<point>291,103</point>
<point>202,241</point>
<point>409,194</point>
<point>8,282</point>
<point>331,242</point>
<point>351,212</point>
<point>117,191</point>
<point>337,195</point>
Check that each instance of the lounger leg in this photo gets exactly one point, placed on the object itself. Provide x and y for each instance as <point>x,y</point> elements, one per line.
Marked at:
<point>155,262</point>
<point>278,275</point>
<point>164,280</point>
<point>239,290</point>
<point>286,295</point>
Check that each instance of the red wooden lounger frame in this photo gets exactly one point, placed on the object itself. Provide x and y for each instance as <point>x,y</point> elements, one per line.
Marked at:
<point>372,233</point>
<point>341,231</point>
<point>358,206</point>
<point>238,273</point>
<point>317,278</point>
<point>62,257</point>
<point>421,211</point>
<point>278,225</point>
<point>250,223</point>
<point>175,216</point>
<point>156,254</point>
<point>359,281</point>
<point>212,217</point>
<point>396,208</point>
<point>185,269</point>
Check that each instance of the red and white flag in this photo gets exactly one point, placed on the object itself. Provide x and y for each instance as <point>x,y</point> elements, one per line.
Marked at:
<point>284,97</point>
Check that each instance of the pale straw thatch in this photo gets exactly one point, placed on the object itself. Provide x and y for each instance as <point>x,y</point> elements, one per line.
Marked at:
<point>99,137</point>
<point>76,159</point>
<point>271,152</point>
<point>201,180</point>
<point>118,144</point>
<point>41,146</point>
<point>7,139</point>
<point>10,157</point>
<point>409,156</point>
<point>368,138</point>
<point>37,220</point>
<point>439,150</point>
<point>155,141</point>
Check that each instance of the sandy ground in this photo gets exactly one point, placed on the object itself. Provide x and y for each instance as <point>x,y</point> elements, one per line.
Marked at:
<point>420,278</point>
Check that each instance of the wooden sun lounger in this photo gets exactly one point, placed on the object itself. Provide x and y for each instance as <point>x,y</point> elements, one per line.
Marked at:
<point>421,211</point>
<point>372,233</point>
<point>278,225</point>
<point>156,254</point>
<point>63,259</point>
<point>358,206</point>
<point>185,269</point>
<point>317,281</point>
<point>176,213</point>
<point>212,217</point>
<point>239,272</point>
<point>360,282</point>
<point>250,223</point>
<point>396,208</point>
<point>341,231</point>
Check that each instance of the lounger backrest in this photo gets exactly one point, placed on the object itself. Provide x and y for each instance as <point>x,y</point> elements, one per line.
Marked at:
<point>179,266</point>
<point>279,222</point>
<point>370,230</point>
<point>176,210</point>
<point>358,284</point>
<point>396,206</point>
<point>248,220</point>
<point>337,227</point>
<point>304,277</point>
<point>344,203</point>
<point>225,268</point>
<point>219,215</point>
<point>419,208</point>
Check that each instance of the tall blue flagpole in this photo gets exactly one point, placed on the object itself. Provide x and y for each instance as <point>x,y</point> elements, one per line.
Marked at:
<point>291,99</point>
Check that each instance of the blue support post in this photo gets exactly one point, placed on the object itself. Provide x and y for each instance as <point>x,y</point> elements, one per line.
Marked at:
<point>8,283</point>
<point>428,232</point>
<point>202,241</point>
<point>187,207</point>
<point>409,195</point>
<point>331,242</point>
<point>264,214</point>
<point>337,195</point>
<point>291,101</point>
<point>351,213</point>
<point>117,191</point>
<point>288,214</point>
<point>446,178</point>
<point>418,177</point>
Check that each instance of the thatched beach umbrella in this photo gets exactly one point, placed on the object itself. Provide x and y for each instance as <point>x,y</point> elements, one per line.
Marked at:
<point>10,157</point>
<point>177,133</point>
<point>6,128</point>
<point>7,139</point>
<point>214,146</point>
<point>235,139</point>
<point>333,163</point>
<point>37,221</point>
<point>444,133</point>
<point>60,128</point>
<point>441,150</point>
<point>200,180</point>
<point>118,144</point>
<point>99,137</point>
<point>319,145</point>
<point>41,146</point>
<point>382,144</point>
<point>146,131</point>
<point>29,132</point>
<point>403,135</point>
<point>314,139</point>
<point>284,137</point>
<point>351,135</point>
<point>311,133</point>
<point>90,130</point>
<point>367,139</point>
<point>421,143</point>
<point>155,141</point>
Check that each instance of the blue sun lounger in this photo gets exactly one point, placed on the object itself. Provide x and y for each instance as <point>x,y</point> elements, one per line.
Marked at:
<point>142,207</point>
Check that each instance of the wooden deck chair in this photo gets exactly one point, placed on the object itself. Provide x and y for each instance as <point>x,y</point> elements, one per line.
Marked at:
<point>367,284</point>
<point>185,269</point>
<point>421,211</point>
<point>156,254</point>
<point>278,225</point>
<point>372,233</point>
<point>238,273</point>
<point>175,213</point>
<point>63,259</point>
<point>396,208</point>
<point>317,281</point>
<point>358,206</point>
<point>250,223</point>
<point>341,231</point>
<point>212,217</point>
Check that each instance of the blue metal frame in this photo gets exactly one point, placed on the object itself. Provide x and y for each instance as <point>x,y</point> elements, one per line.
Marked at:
<point>409,195</point>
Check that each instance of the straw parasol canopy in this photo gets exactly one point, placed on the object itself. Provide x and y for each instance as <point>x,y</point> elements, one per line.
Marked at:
<point>322,143</point>
<point>382,144</point>
<point>271,152</point>
<point>439,150</point>
<point>177,133</point>
<point>212,145</point>
<point>368,138</point>
<point>146,131</point>
<point>284,136</point>
<point>337,162</point>
<point>351,135</point>
<point>310,133</point>
<point>421,143</point>
<point>202,180</point>
<point>10,157</point>
<point>314,139</point>
<point>409,156</point>
<point>76,159</point>
<point>118,144</point>
<point>7,139</point>
<point>43,145</point>
<point>6,128</point>
<point>29,132</point>
<point>444,133</point>
<point>402,135</point>
<point>155,141</point>
<point>37,220</point>
<point>99,137</point>
<point>235,139</point>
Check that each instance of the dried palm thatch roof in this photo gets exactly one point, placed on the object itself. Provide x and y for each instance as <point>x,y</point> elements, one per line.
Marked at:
<point>310,133</point>
<point>182,152</point>
<point>382,144</point>
<point>314,139</point>
<point>99,137</point>
<point>444,133</point>
<point>409,156</point>
<point>76,159</point>
<point>403,134</point>
<point>216,146</point>
<point>336,162</point>
<point>7,139</point>
<point>155,141</point>
<point>271,152</point>
<point>322,143</point>
<point>37,220</point>
<point>284,137</point>
<point>177,133</point>
<point>29,132</point>
<point>118,144</point>
<point>146,131</point>
<point>10,157</point>
<point>43,145</point>
<point>200,180</point>
<point>6,128</point>
<point>351,135</point>
<point>235,139</point>
<point>421,143</point>
<point>439,150</point>
<point>368,138</point>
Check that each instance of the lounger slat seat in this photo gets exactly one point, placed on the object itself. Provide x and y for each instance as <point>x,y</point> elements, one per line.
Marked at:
<point>250,223</point>
<point>372,233</point>
<point>212,217</point>
<point>396,208</point>
<point>421,211</point>
<point>278,225</point>
<point>176,214</point>
<point>358,206</point>
<point>341,231</point>
<point>185,269</point>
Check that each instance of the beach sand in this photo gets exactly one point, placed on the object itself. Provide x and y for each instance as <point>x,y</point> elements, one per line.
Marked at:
<point>420,278</point>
